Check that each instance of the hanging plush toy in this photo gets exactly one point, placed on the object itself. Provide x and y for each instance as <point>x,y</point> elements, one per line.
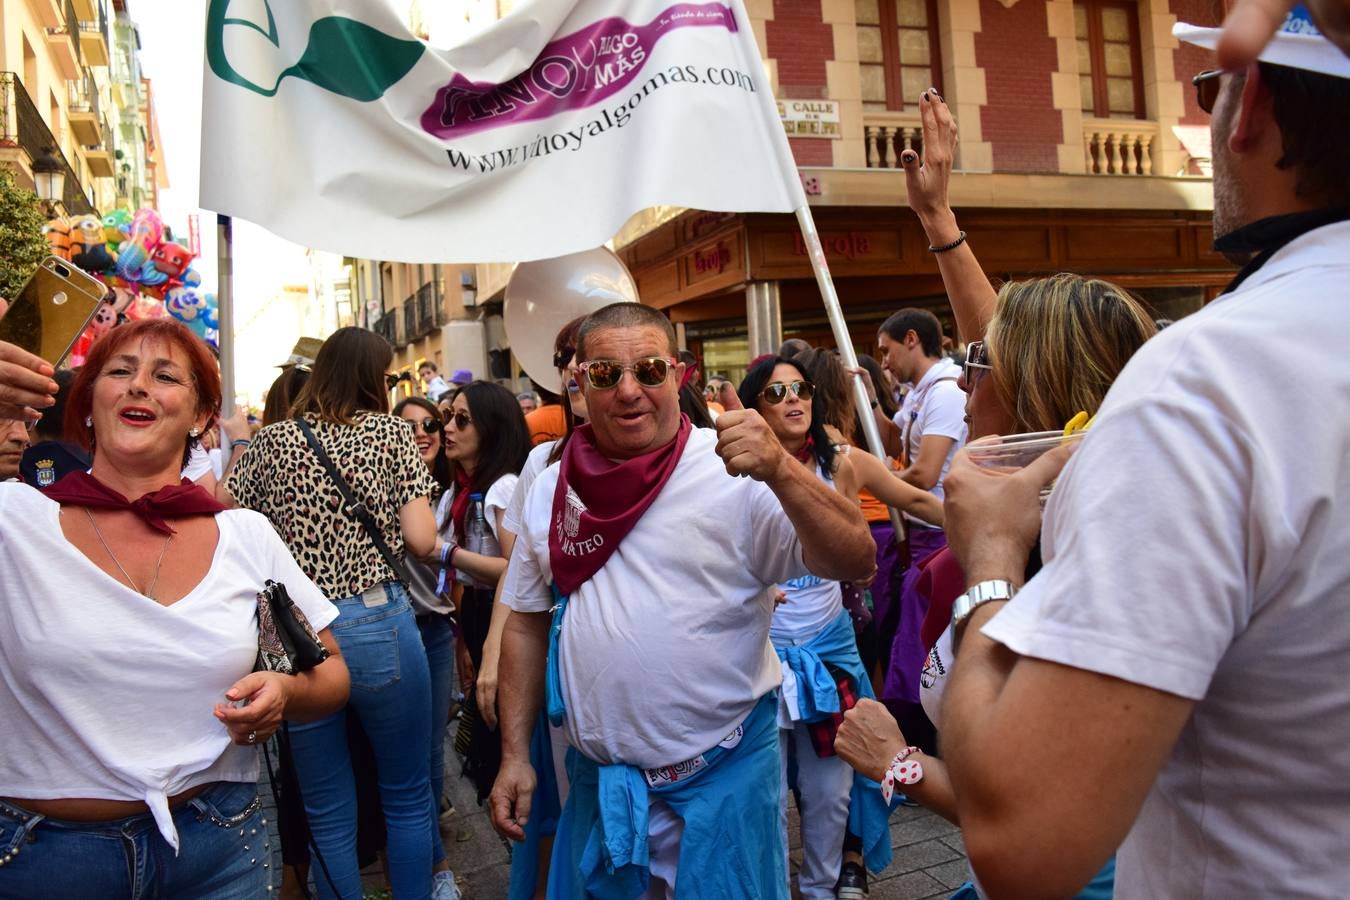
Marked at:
<point>88,245</point>
<point>168,262</point>
<point>136,250</point>
<point>57,233</point>
<point>116,229</point>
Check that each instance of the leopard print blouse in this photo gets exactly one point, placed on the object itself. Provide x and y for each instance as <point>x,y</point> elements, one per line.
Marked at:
<point>280,477</point>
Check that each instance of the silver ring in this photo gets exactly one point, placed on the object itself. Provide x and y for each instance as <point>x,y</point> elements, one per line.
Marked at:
<point>253,737</point>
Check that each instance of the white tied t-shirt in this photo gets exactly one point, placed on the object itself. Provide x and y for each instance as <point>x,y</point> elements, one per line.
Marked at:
<point>666,647</point>
<point>1199,543</point>
<point>106,694</point>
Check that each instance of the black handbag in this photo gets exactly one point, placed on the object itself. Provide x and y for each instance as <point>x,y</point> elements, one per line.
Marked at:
<point>352,506</point>
<point>286,641</point>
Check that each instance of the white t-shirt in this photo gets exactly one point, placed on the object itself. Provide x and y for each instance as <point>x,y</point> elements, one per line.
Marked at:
<point>937,408</point>
<point>812,603</point>
<point>107,694</point>
<point>1199,543</point>
<point>666,648</point>
<point>535,463</point>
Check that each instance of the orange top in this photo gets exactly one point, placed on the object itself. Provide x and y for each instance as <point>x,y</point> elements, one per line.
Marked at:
<point>874,510</point>
<point>546,424</point>
<point>716,407</point>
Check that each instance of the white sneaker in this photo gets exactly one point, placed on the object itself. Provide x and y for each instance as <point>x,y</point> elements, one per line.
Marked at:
<point>443,886</point>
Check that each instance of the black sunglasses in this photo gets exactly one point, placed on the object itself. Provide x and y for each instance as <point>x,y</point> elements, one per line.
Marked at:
<point>461,420</point>
<point>777,392</point>
<point>428,425</point>
<point>1207,89</point>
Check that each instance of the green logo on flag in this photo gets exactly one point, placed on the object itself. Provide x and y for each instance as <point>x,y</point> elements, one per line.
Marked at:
<point>344,56</point>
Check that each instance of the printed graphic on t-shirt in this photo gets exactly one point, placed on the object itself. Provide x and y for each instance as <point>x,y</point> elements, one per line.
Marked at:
<point>933,669</point>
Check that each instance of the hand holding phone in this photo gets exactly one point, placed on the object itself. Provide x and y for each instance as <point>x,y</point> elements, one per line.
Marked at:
<point>26,384</point>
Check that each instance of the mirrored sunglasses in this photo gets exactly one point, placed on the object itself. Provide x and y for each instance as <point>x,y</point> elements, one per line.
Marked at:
<point>977,358</point>
<point>777,392</point>
<point>650,372</point>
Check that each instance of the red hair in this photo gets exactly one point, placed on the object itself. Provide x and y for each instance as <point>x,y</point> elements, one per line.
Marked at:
<point>205,374</point>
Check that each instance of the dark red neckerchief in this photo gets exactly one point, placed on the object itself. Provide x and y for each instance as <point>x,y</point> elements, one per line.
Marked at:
<point>598,501</point>
<point>941,580</point>
<point>459,505</point>
<point>177,501</point>
<point>807,450</point>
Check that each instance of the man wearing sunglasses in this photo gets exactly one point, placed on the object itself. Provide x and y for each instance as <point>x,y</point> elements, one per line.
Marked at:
<point>1173,682</point>
<point>656,568</point>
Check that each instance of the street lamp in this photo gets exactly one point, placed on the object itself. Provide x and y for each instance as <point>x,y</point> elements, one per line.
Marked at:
<point>49,180</point>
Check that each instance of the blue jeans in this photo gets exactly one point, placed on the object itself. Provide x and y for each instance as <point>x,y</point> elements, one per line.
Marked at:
<point>438,637</point>
<point>223,852</point>
<point>391,693</point>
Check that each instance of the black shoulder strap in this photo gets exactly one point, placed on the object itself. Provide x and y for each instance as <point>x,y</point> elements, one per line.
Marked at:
<point>352,506</point>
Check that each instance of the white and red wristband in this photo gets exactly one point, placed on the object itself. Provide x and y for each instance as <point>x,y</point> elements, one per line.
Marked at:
<point>902,771</point>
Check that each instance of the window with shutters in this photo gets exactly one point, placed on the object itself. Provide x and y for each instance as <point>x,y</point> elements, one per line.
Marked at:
<point>898,52</point>
<point>1110,76</point>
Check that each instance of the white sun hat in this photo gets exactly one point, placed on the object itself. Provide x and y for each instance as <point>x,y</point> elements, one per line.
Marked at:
<point>1298,44</point>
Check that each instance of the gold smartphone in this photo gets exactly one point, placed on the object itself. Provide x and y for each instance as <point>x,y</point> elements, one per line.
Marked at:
<point>53,310</point>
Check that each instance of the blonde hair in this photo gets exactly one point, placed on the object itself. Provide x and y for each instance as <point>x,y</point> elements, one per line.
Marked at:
<point>1057,344</point>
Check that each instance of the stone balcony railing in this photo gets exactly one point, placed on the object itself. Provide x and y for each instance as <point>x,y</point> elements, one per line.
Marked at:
<point>1119,146</point>
<point>889,134</point>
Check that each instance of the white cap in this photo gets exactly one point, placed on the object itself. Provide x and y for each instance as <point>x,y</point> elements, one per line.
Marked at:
<point>1298,44</point>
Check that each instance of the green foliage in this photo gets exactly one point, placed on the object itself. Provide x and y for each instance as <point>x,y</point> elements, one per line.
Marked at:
<point>22,245</point>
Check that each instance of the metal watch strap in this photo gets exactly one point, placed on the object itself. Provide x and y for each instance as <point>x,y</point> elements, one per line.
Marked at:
<point>978,595</point>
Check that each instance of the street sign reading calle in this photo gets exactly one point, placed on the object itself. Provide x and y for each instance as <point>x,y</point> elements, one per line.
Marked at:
<point>810,118</point>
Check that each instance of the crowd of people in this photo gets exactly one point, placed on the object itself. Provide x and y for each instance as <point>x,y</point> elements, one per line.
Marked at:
<point>665,610</point>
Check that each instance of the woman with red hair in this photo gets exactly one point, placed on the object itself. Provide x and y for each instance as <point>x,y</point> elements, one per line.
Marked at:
<point>128,639</point>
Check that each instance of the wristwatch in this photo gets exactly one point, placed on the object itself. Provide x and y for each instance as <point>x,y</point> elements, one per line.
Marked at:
<point>978,595</point>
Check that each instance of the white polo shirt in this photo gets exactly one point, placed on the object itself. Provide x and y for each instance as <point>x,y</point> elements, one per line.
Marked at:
<point>1199,543</point>
<point>666,648</point>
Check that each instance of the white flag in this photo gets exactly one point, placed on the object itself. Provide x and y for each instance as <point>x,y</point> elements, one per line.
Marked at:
<point>328,123</point>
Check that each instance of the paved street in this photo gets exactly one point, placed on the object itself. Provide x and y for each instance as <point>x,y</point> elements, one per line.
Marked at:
<point>929,857</point>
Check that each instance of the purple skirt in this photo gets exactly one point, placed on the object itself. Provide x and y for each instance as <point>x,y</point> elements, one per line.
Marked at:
<point>907,652</point>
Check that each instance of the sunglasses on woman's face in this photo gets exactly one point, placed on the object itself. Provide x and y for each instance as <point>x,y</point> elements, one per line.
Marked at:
<point>650,371</point>
<point>977,360</point>
<point>428,425</point>
<point>777,392</point>
<point>461,420</point>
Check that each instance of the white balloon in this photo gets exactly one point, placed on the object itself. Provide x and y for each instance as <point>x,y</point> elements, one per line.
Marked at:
<point>544,295</point>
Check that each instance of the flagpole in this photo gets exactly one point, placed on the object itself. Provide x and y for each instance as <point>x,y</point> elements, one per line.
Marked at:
<point>816,252</point>
<point>225,309</point>
<point>787,166</point>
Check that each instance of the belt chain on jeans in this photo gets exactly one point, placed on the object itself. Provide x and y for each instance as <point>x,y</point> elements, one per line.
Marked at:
<point>664,775</point>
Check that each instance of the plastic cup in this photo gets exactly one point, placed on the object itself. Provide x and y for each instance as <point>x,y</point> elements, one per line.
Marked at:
<point>1009,453</point>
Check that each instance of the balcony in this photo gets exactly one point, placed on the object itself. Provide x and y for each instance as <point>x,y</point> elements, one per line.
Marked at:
<point>387,327</point>
<point>87,9</point>
<point>83,110</point>
<point>94,38</point>
<point>889,134</point>
<point>64,40</point>
<point>428,307</point>
<point>99,155</point>
<point>24,136</point>
<point>1119,146</point>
